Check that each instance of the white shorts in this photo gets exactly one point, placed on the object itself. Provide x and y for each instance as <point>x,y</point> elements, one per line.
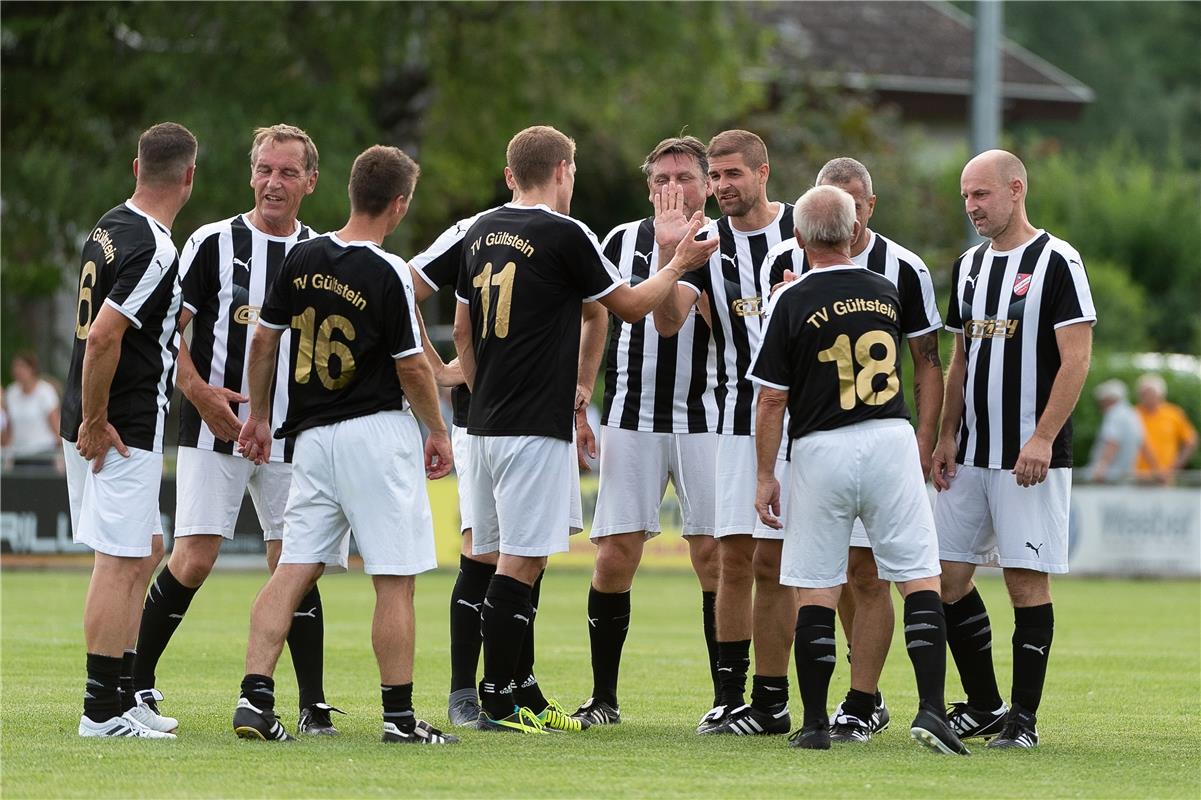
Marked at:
<point>737,479</point>
<point>634,469</point>
<point>209,488</point>
<point>986,518</point>
<point>459,438</point>
<point>115,511</point>
<point>869,470</point>
<point>365,474</point>
<point>525,490</point>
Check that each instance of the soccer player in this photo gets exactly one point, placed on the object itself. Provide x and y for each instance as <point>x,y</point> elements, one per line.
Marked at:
<point>657,425</point>
<point>1022,314</point>
<point>357,367</point>
<point>526,268</point>
<point>434,268</point>
<point>829,356</point>
<point>866,609</point>
<point>114,410</point>
<point>226,269</point>
<point>731,294</point>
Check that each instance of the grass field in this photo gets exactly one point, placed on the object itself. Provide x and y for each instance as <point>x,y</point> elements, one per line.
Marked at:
<point>1121,718</point>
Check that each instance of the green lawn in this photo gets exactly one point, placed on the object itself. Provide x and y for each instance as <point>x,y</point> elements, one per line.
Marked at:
<point>1122,715</point>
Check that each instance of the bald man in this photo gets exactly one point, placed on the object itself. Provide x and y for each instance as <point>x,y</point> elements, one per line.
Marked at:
<point>1022,315</point>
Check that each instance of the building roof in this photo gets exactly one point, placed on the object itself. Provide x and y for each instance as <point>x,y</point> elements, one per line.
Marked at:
<point>908,48</point>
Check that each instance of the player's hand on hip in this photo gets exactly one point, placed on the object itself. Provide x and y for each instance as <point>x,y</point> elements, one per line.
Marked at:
<point>942,466</point>
<point>213,403</point>
<point>767,502</point>
<point>691,253</point>
<point>585,440</point>
<point>254,440</point>
<point>94,441</point>
<point>1033,462</point>
<point>439,455</point>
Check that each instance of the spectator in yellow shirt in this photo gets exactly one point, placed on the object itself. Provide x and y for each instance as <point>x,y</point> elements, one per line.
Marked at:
<point>1171,438</point>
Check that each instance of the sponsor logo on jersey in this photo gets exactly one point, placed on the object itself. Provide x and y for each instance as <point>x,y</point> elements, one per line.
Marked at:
<point>246,315</point>
<point>991,328</point>
<point>747,307</point>
<point>1021,284</point>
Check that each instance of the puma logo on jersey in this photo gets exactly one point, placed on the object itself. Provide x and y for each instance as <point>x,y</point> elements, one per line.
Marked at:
<point>644,256</point>
<point>243,264</point>
<point>1036,549</point>
<point>730,258</point>
<point>971,279</point>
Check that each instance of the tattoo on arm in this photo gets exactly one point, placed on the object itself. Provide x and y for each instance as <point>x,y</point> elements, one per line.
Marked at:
<point>928,346</point>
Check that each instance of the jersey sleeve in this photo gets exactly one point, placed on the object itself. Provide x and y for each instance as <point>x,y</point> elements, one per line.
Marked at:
<point>771,367</point>
<point>698,279</point>
<point>772,271</point>
<point>611,248</point>
<point>402,331</point>
<point>276,312</point>
<point>954,318</point>
<point>438,264</point>
<point>919,310</point>
<point>1071,297</point>
<point>592,273</point>
<point>138,277</point>
<point>199,271</point>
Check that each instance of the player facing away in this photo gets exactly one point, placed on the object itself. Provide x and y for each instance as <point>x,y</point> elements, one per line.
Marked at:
<point>829,356</point>
<point>865,609</point>
<point>226,269</point>
<point>1022,314</point>
<point>658,425</point>
<point>729,292</point>
<point>113,413</point>
<point>527,267</point>
<point>357,375</point>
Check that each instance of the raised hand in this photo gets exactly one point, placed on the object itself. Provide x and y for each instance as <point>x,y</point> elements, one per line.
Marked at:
<point>670,223</point>
<point>691,252</point>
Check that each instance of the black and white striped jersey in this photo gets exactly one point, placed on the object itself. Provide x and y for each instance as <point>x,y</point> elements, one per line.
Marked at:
<point>226,269</point>
<point>736,302</point>
<point>438,266</point>
<point>129,263</point>
<point>1007,305</point>
<point>662,384</point>
<point>883,256</point>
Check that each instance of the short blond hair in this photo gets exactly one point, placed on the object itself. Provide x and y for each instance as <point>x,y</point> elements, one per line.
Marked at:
<point>534,153</point>
<point>285,133</point>
<point>739,142</point>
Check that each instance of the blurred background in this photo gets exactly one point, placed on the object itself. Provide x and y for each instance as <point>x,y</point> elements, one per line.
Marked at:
<point>1102,100</point>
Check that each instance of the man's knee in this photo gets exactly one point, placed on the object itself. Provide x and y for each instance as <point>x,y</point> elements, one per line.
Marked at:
<point>766,562</point>
<point>1027,587</point>
<point>956,580</point>
<point>193,557</point>
<point>737,560</point>
<point>483,558</point>
<point>702,550</point>
<point>617,559</point>
<point>862,577</point>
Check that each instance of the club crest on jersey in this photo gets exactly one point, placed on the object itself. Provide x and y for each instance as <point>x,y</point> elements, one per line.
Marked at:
<point>747,307</point>
<point>1021,284</point>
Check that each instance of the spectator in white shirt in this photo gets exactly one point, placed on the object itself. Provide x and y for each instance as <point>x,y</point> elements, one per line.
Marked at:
<point>32,405</point>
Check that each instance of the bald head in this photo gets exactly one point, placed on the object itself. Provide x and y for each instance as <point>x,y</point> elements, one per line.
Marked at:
<point>1001,165</point>
<point>993,187</point>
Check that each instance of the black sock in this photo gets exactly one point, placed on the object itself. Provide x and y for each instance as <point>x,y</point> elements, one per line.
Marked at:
<point>505,622</point>
<point>926,643</point>
<point>859,704</point>
<point>306,644</point>
<point>709,621</point>
<point>526,691</point>
<point>608,622</point>
<point>166,603</point>
<point>969,636</point>
<point>466,600</point>
<point>733,660</point>
<point>101,694</point>
<point>125,682</point>
<point>260,691</point>
<point>769,693</point>
<point>398,705</point>
<point>1033,629</point>
<point>815,657</point>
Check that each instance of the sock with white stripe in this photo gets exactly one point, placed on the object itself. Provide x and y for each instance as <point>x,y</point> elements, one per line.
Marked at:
<point>1034,627</point>
<point>125,683</point>
<point>733,661</point>
<point>306,645</point>
<point>526,691</point>
<point>709,623</point>
<point>398,705</point>
<point>926,644</point>
<point>969,636</point>
<point>815,658</point>
<point>166,603</point>
<point>608,623</point>
<point>260,691</point>
<point>769,693</point>
<point>466,600</point>
<point>505,620</point>
<point>101,698</point>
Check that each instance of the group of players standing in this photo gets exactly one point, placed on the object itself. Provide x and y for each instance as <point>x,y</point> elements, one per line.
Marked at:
<point>772,315</point>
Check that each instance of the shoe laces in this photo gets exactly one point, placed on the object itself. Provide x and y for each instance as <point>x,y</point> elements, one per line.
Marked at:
<point>527,719</point>
<point>556,716</point>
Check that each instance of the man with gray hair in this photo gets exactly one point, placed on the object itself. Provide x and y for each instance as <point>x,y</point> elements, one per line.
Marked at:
<point>829,356</point>
<point>1120,437</point>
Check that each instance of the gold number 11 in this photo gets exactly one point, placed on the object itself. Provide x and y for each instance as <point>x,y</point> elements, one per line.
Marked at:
<point>504,302</point>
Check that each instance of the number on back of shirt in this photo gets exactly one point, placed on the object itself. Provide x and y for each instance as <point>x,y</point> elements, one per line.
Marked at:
<point>875,352</point>
<point>317,346</point>
<point>503,280</point>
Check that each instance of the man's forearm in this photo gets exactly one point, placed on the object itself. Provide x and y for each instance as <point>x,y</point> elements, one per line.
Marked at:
<point>927,397</point>
<point>417,382</point>
<point>953,402</point>
<point>261,366</point>
<point>1065,389</point>
<point>594,329</point>
<point>99,366</point>
<point>769,425</point>
<point>464,346</point>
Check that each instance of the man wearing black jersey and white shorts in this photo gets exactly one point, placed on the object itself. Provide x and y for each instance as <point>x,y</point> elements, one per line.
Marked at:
<point>657,425</point>
<point>527,267</point>
<point>866,610</point>
<point>226,269</point>
<point>357,374</point>
<point>829,356</point>
<point>113,414</point>
<point>729,291</point>
<point>1022,314</point>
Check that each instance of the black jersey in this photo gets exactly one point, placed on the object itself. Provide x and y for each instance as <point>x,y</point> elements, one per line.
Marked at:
<point>130,264</point>
<point>525,271</point>
<point>225,270</point>
<point>352,314</point>
<point>831,341</point>
<point>438,266</point>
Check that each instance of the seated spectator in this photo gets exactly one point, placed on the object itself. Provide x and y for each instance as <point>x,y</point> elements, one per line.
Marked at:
<point>32,406</point>
<point>1171,438</point>
<point>1120,437</point>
